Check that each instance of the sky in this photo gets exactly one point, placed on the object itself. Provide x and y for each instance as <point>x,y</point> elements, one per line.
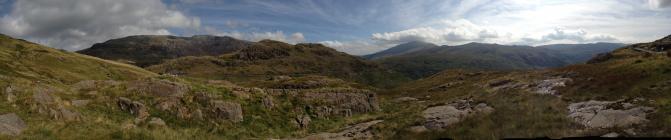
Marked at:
<point>357,27</point>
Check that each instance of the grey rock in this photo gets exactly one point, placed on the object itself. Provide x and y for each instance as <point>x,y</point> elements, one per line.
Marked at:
<point>439,117</point>
<point>302,121</point>
<point>360,131</point>
<point>136,108</point>
<point>268,102</point>
<point>156,122</point>
<point>11,124</point>
<point>608,114</point>
<point>80,103</point>
<point>226,111</point>
<point>611,135</point>
<point>547,87</point>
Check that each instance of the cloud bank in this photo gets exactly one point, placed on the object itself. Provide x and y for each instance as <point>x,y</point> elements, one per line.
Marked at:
<point>76,24</point>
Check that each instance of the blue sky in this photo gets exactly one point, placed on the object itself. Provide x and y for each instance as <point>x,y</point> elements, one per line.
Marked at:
<point>353,26</point>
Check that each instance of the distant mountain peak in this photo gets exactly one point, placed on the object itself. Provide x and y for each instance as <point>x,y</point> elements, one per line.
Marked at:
<point>400,49</point>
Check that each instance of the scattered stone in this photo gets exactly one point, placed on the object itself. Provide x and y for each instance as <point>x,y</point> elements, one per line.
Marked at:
<point>9,94</point>
<point>547,87</point>
<point>65,115</point>
<point>405,99</point>
<point>11,124</point>
<point>226,111</point>
<point>302,121</point>
<point>80,103</point>
<point>358,132</point>
<point>439,117</point>
<point>158,87</point>
<point>611,135</point>
<point>608,114</point>
<point>134,107</point>
<point>268,102</point>
<point>338,102</point>
<point>156,122</point>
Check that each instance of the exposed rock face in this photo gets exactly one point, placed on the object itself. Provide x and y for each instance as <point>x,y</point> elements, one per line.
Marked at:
<point>355,132</point>
<point>11,124</point>
<point>608,114</point>
<point>226,111</point>
<point>341,102</point>
<point>439,117</point>
<point>547,87</point>
<point>157,87</point>
<point>136,108</point>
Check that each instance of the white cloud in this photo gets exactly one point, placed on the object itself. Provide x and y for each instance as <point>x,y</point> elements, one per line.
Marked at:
<point>356,47</point>
<point>77,24</point>
<point>659,3</point>
<point>463,31</point>
<point>561,35</point>
<point>459,31</point>
<point>257,36</point>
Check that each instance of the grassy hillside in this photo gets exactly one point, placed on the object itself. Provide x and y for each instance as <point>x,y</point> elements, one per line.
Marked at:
<point>629,75</point>
<point>146,50</point>
<point>271,58</point>
<point>475,56</point>
<point>65,95</point>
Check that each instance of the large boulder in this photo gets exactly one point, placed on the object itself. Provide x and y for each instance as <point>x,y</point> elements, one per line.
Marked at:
<point>226,111</point>
<point>608,114</point>
<point>439,117</point>
<point>11,124</point>
<point>136,108</point>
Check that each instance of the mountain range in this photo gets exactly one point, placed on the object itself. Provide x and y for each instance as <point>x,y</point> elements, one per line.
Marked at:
<point>275,90</point>
<point>417,60</point>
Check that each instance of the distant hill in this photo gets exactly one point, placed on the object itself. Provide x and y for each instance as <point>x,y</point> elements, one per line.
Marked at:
<point>146,50</point>
<point>473,56</point>
<point>579,53</point>
<point>29,61</point>
<point>401,49</point>
<point>481,56</point>
<point>269,58</point>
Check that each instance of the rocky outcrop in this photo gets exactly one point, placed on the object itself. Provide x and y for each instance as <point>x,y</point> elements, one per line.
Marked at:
<point>223,110</point>
<point>136,108</point>
<point>11,124</point>
<point>157,87</point>
<point>439,117</point>
<point>302,121</point>
<point>547,87</point>
<point>608,114</point>
<point>340,103</point>
<point>360,131</point>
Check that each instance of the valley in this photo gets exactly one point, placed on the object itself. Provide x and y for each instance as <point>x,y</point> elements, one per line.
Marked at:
<point>211,87</point>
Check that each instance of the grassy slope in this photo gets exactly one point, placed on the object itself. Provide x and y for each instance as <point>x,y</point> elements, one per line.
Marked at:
<point>476,56</point>
<point>29,68</point>
<point>522,114</point>
<point>295,60</point>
